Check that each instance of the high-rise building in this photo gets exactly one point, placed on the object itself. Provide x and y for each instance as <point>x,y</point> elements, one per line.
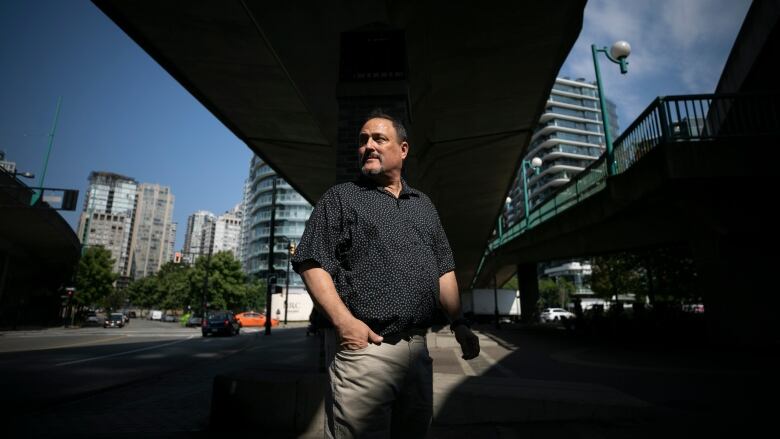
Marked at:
<point>8,165</point>
<point>292,211</point>
<point>107,218</point>
<point>227,231</point>
<point>244,236</point>
<point>197,236</point>
<point>568,139</point>
<point>154,231</point>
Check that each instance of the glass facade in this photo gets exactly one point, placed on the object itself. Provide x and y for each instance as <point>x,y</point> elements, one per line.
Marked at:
<point>568,139</point>
<point>107,218</point>
<point>292,212</point>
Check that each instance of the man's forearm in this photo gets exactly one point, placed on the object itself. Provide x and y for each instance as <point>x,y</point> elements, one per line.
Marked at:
<point>320,285</point>
<point>449,296</point>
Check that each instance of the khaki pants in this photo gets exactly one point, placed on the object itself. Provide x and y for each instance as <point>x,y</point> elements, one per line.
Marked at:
<point>380,391</point>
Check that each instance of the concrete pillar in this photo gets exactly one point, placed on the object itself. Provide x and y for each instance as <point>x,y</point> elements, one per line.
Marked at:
<point>368,80</point>
<point>736,281</point>
<point>528,283</point>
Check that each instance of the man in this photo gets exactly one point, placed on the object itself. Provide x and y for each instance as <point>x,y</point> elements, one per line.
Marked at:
<point>376,261</point>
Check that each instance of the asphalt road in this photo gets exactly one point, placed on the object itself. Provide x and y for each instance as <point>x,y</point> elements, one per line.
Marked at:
<point>147,377</point>
<point>155,379</point>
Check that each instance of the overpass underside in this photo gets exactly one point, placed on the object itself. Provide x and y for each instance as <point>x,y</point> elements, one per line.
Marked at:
<point>292,80</point>
<point>708,195</point>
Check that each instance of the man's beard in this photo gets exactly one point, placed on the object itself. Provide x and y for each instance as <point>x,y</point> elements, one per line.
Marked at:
<point>370,172</point>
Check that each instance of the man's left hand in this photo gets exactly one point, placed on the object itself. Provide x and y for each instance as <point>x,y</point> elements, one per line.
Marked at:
<point>469,342</point>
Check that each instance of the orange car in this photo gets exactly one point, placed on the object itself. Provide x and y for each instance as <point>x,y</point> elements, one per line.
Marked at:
<point>251,318</point>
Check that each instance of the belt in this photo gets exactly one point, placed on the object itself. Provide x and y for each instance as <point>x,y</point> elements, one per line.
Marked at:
<point>404,335</point>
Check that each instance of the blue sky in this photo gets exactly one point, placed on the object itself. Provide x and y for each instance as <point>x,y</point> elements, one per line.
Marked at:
<point>123,113</point>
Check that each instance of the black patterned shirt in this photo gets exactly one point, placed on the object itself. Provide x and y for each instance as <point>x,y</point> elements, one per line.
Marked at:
<point>385,254</point>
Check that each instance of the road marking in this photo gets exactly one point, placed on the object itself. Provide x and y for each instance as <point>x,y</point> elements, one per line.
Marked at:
<point>120,353</point>
<point>85,342</point>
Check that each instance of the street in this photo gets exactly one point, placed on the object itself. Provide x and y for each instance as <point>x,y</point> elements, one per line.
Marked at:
<point>149,376</point>
<point>155,379</point>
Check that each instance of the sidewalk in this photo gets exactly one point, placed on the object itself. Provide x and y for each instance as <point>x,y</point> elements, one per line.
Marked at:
<point>545,381</point>
<point>526,384</point>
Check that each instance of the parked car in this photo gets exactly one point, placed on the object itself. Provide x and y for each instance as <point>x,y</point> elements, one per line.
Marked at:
<point>556,314</point>
<point>155,315</point>
<point>220,322</point>
<point>170,318</point>
<point>194,322</point>
<point>114,320</point>
<point>131,314</point>
<point>92,319</point>
<point>252,318</point>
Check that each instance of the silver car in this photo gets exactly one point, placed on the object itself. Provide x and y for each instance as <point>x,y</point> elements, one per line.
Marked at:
<point>556,314</point>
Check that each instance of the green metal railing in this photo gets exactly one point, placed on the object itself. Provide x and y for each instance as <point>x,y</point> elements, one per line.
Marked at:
<point>667,119</point>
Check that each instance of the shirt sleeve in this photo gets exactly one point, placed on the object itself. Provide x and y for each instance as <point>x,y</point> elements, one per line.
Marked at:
<point>321,235</point>
<point>441,248</point>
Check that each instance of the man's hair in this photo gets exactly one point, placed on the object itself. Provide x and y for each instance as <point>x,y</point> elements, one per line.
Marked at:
<point>378,113</point>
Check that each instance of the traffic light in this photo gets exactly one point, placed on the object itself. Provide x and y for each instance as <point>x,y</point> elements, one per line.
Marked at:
<point>69,199</point>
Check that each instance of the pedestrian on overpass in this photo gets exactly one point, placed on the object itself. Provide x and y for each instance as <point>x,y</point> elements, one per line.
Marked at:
<point>377,263</point>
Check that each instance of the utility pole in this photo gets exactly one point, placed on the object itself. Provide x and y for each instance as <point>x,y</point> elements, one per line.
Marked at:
<point>270,276</point>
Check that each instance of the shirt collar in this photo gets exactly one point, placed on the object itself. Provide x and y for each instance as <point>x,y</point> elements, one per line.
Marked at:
<point>367,184</point>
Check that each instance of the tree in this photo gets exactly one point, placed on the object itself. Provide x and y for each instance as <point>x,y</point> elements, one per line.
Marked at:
<point>227,283</point>
<point>173,286</point>
<point>144,292</point>
<point>618,274</point>
<point>94,276</point>
<point>255,295</point>
<point>548,293</point>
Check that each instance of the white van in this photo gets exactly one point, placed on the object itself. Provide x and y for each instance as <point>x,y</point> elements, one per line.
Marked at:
<point>155,315</point>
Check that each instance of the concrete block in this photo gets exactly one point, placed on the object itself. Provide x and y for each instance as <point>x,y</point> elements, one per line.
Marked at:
<point>288,403</point>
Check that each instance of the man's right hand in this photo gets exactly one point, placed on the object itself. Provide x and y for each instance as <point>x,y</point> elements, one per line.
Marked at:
<point>354,334</point>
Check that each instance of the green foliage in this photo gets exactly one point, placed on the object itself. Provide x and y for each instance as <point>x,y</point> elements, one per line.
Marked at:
<point>256,291</point>
<point>662,274</point>
<point>94,277</point>
<point>173,286</point>
<point>554,294</point>
<point>178,286</point>
<point>143,292</point>
<point>620,273</point>
<point>512,283</point>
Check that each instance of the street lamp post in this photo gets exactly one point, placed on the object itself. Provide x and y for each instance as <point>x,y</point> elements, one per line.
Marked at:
<point>271,271</point>
<point>507,202</point>
<point>617,54</point>
<point>534,163</point>
<point>290,254</point>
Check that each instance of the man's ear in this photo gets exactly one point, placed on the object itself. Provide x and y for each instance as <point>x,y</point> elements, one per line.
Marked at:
<point>404,150</point>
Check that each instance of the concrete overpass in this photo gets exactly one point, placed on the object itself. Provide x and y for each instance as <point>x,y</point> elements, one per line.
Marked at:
<point>38,253</point>
<point>694,170</point>
<point>290,79</point>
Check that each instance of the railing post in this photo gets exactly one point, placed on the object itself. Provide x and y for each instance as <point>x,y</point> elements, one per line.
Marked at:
<point>663,116</point>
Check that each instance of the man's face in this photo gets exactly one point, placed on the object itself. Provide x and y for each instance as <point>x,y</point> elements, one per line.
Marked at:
<point>379,148</point>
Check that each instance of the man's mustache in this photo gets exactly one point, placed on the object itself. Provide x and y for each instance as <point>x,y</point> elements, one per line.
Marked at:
<point>370,155</point>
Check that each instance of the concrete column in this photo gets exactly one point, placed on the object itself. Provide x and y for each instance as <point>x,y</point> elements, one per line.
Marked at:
<point>528,283</point>
<point>367,82</point>
<point>740,304</point>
